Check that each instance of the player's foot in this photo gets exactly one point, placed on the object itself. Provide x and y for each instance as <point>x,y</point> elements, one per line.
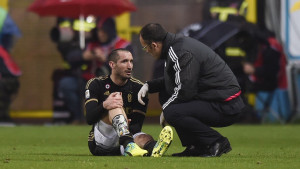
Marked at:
<point>163,143</point>
<point>133,149</point>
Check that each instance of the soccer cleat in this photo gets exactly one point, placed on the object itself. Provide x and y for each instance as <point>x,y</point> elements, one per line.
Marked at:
<point>163,143</point>
<point>134,150</point>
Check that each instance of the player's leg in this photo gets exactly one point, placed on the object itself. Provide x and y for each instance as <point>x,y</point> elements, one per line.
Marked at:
<point>163,143</point>
<point>155,148</point>
<point>101,145</point>
<point>145,141</point>
<point>119,121</point>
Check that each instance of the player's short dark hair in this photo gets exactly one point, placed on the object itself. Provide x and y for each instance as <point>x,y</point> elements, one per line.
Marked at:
<point>153,32</point>
<point>114,54</point>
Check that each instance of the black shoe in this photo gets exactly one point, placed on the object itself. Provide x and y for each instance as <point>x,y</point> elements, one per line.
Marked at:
<point>220,147</point>
<point>193,151</point>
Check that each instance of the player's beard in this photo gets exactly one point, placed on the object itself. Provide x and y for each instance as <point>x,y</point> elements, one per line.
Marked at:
<point>123,76</point>
<point>121,73</point>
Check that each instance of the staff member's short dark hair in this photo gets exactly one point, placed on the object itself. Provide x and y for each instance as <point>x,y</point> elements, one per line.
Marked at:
<point>153,32</point>
<point>114,54</point>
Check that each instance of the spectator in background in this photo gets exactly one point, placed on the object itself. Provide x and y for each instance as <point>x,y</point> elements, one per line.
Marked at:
<point>9,83</point>
<point>69,82</point>
<point>105,40</point>
<point>235,47</point>
<point>9,70</point>
<point>253,53</point>
<point>263,73</point>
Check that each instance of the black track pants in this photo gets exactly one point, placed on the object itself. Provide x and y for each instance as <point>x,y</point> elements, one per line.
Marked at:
<point>193,120</point>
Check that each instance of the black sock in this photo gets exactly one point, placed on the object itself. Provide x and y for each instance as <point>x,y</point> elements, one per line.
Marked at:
<point>125,139</point>
<point>149,146</point>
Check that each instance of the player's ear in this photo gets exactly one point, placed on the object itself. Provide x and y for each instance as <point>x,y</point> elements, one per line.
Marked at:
<point>154,45</point>
<point>111,64</point>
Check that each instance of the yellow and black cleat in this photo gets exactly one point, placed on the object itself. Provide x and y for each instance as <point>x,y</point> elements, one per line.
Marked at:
<point>163,143</point>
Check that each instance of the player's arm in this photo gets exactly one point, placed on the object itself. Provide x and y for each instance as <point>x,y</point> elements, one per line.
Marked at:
<point>188,77</point>
<point>96,109</point>
<point>93,107</point>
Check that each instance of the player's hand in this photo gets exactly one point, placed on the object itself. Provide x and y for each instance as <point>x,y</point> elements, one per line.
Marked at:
<point>142,93</point>
<point>113,101</point>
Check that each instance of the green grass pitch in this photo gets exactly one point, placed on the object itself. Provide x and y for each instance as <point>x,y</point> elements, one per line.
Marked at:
<point>55,147</point>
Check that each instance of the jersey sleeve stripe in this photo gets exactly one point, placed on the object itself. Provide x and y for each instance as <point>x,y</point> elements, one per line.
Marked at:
<point>139,111</point>
<point>95,100</point>
<point>89,82</point>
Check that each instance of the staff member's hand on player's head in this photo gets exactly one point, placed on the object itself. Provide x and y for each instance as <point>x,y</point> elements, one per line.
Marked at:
<point>142,93</point>
<point>113,101</point>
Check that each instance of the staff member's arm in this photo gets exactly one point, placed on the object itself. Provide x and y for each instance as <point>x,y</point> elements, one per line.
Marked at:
<point>186,73</point>
<point>188,76</point>
<point>152,86</point>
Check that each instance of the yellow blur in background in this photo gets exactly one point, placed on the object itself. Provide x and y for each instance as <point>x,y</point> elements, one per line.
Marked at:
<point>4,4</point>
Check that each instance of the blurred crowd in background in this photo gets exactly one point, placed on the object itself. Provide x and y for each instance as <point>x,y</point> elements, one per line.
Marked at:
<point>252,51</point>
<point>9,70</point>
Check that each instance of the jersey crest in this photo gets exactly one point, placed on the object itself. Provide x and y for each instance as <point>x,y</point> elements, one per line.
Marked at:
<point>129,97</point>
<point>106,93</point>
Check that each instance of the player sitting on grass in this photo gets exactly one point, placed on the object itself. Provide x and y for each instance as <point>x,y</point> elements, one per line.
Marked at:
<point>116,115</point>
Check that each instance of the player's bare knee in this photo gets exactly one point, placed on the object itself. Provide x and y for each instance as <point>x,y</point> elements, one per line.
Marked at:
<point>115,111</point>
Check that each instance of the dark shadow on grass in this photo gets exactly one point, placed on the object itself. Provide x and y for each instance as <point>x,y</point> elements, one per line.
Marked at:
<point>65,155</point>
<point>59,154</point>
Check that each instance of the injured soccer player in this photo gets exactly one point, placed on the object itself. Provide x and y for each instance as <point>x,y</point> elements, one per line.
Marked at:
<point>116,116</point>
